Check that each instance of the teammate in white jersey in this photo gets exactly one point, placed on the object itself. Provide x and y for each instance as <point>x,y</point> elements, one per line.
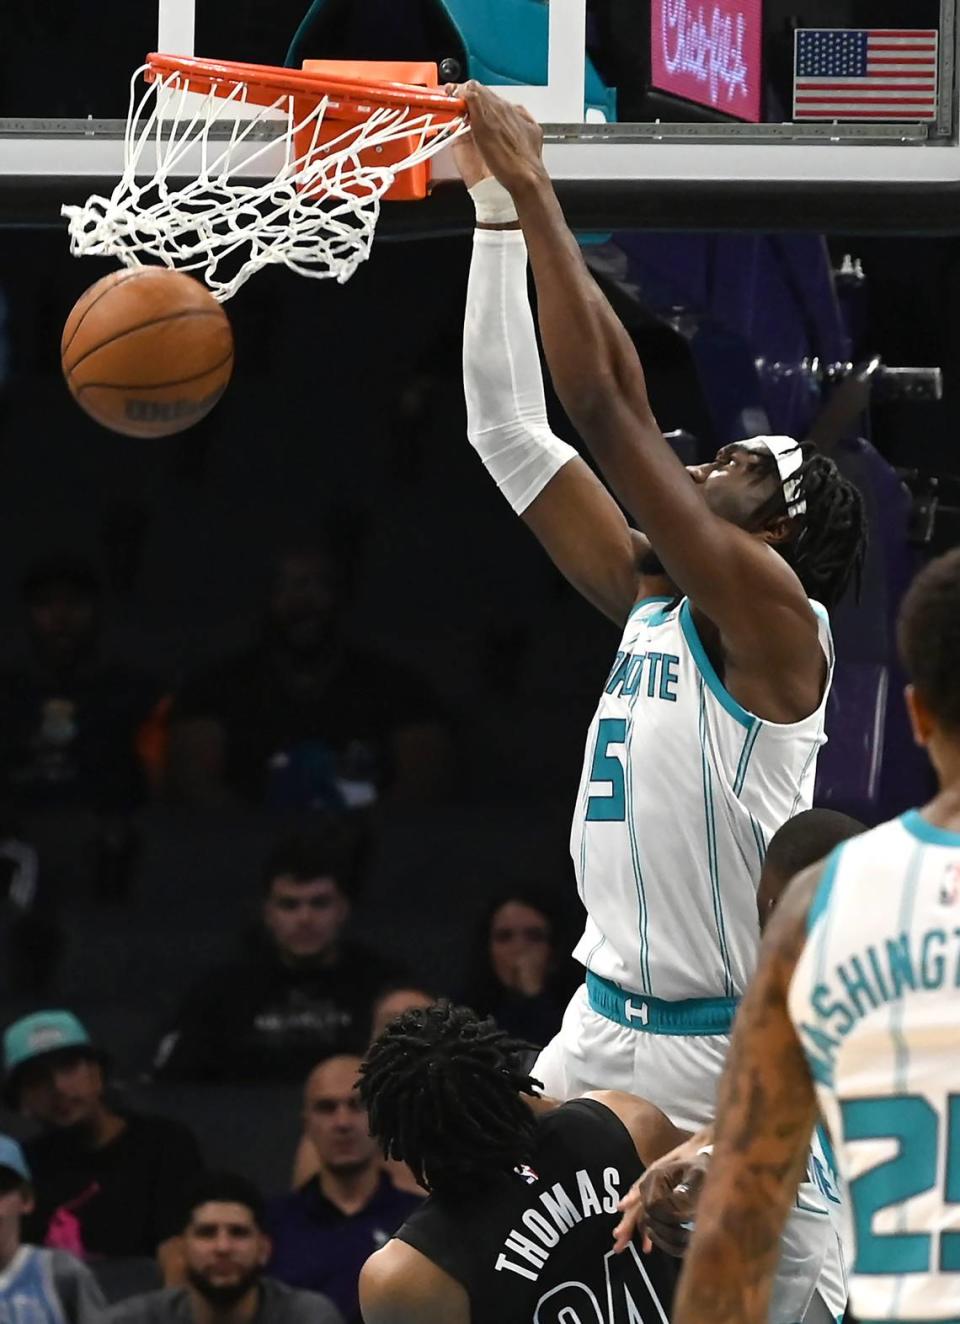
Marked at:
<point>855,1013</point>
<point>706,736</point>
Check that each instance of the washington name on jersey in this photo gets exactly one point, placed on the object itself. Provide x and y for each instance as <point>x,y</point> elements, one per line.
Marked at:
<point>875,1001</point>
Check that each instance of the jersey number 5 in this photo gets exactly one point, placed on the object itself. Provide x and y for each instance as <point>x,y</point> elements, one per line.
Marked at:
<point>606,767</point>
<point>913,1122</point>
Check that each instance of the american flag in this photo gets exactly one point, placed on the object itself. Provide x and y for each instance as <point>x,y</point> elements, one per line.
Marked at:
<point>865,74</point>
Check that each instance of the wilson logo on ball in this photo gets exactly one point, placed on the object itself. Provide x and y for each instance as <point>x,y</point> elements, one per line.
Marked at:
<point>169,411</point>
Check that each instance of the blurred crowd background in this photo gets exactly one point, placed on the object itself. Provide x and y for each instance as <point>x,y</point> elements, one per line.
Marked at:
<point>292,708</point>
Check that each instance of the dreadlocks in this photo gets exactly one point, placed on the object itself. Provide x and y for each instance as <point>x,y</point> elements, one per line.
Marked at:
<point>442,1087</point>
<point>831,544</point>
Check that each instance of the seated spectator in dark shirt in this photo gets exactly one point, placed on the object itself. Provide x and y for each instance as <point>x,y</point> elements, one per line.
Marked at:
<point>37,1286</point>
<point>392,1002</point>
<point>69,719</point>
<point>225,1249</point>
<point>107,1182</point>
<point>521,974</point>
<point>305,720</point>
<point>324,1232</point>
<point>70,772</point>
<point>303,992</point>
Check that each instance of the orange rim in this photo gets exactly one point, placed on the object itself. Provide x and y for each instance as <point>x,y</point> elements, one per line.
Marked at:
<point>348,96</point>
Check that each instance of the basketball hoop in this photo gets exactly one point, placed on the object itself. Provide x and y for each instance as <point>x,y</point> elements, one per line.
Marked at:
<point>332,137</point>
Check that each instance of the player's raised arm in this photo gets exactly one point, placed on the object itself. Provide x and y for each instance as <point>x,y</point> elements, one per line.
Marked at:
<point>547,484</point>
<point>766,1113</point>
<point>713,554</point>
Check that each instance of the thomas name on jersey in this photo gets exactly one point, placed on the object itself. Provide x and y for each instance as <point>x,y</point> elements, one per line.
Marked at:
<point>561,1214</point>
<point>660,670</point>
<point>881,974</point>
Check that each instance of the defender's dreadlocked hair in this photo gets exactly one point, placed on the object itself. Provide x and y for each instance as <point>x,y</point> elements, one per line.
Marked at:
<point>831,543</point>
<point>442,1087</point>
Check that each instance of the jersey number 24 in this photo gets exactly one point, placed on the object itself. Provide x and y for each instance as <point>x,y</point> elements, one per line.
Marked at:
<point>629,1296</point>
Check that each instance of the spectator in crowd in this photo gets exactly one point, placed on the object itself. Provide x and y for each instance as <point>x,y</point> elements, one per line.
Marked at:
<point>225,1249</point>
<point>302,993</point>
<point>108,1182</point>
<point>520,973</point>
<point>69,725</point>
<point>304,719</point>
<point>70,719</point>
<point>37,1286</point>
<point>392,1002</point>
<point>324,1232</point>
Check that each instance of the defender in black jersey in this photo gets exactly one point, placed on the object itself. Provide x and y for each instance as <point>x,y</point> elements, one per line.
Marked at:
<point>523,1201</point>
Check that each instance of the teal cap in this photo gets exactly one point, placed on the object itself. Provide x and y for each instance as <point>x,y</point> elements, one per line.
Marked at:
<point>38,1035</point>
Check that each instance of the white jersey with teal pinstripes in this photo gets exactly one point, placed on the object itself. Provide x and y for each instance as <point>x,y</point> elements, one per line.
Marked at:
<point>875,999</point>
<point>682,789</point>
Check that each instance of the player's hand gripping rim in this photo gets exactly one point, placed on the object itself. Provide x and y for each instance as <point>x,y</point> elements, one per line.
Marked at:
<point>508,137</point>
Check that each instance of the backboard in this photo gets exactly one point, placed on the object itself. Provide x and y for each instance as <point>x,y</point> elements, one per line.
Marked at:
<point>692,155</point>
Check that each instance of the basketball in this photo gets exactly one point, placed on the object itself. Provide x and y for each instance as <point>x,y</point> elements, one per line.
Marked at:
<point>147,351</point>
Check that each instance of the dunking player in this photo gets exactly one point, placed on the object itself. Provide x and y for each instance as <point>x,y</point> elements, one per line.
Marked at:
<point>523,1192</point>
<point>855,1011</point>
<point>706,737</point>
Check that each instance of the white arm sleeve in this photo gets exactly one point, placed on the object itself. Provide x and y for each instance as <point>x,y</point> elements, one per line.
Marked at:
<point>502,381</point>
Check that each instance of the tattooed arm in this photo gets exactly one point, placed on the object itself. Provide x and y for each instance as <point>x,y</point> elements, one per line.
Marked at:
<point>766,1113</point>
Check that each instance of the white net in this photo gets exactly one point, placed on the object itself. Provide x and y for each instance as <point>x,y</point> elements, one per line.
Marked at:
<point>205,208</point>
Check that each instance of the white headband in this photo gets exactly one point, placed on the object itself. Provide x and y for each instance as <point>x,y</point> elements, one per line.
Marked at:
<point>789,458</point>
